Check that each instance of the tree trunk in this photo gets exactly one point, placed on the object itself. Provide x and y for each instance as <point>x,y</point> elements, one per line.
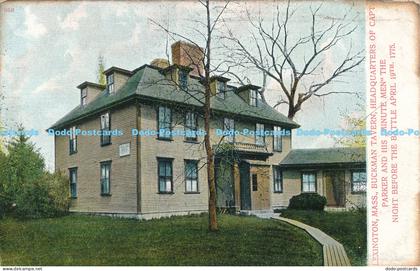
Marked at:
<point>207,114</point>
<point>210,162</point>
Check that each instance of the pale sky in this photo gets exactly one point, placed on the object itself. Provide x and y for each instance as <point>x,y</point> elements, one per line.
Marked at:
<point>48,48</point>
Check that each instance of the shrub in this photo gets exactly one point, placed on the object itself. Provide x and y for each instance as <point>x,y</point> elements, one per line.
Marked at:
<point>308,201</point>
<point>44,197</point>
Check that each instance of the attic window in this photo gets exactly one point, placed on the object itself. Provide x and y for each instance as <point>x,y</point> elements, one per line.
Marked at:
<point>110,83</point>
<point>183,80</point>
<point>83,96</point>
<point>221,89</point>
<point>253,99</point>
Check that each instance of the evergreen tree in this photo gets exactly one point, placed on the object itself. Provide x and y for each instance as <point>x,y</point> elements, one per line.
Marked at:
<point>101,68</point>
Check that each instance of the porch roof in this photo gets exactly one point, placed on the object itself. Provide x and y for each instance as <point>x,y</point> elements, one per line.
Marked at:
<point>343,157</point>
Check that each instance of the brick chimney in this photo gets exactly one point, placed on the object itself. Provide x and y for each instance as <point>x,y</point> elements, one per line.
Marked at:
<point>190,55</point>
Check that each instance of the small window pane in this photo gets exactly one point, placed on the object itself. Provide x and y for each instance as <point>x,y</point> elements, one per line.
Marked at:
<point>278,180</point>
<point>191,176</point>
<point>164,122</point>
<point>308,182</point>
<point>254,182</point>
<point>229,126</point>
<point>359,181</point>
<point>183,80</point>
<point>165,175</point>
<point>259,134</point>
<point>105,178</point>
<point>277,139</point>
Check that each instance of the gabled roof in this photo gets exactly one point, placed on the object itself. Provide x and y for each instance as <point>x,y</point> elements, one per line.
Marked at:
<point>323,157</point>
<point>149,84</point>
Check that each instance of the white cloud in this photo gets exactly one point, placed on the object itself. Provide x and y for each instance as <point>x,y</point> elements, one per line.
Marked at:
<point>72,20</point>
<point>49,86</point>
<point>34,28</point>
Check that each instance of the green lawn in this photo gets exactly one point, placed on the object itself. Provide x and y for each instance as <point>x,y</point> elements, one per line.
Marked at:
<point>84,240</point>
<point>349,228</point>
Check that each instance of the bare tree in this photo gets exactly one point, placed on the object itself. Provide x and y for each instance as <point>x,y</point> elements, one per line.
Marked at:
<point>205,69</point>
<point>278,56</point>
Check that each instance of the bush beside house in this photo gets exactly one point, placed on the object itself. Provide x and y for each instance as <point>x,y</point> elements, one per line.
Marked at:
<point>27,190</point>
<point>308,201</point>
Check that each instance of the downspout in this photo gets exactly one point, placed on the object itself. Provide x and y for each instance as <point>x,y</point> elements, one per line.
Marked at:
<point>138,164</point>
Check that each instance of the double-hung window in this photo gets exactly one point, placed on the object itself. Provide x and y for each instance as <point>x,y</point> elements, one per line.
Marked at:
<point>259,134</point>
<point>358,181</point>
<point>83,96</point>
<point>164,122</point>
<point>277,144</point>
<point>183,80</point>
<point>110,83</point>
<point>73,182</point>
<point>308,182</point>
<point>165,175</point>
<point>277,180</point>
<point>253,99</point>
<point>254,182</point>
<point>106,178</point>
<point>191,176</point>
<point>105,129</point>
<point>221,89</point>
<point>190,126</point>
<point>72,140</point>
<point>229,128</point>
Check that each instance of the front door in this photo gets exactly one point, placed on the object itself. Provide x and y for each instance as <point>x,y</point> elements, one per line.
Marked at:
<point>334,188</point>
<point>260,188</point>
<point>245,189</point>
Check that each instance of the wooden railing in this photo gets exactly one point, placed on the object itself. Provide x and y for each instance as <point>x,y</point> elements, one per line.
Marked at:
<point>243,146</point>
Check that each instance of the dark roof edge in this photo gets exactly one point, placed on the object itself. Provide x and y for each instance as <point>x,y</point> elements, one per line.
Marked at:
<point>117,69</point>
<point>219,78</point>
<point>94,112</point>
<point>323,165</point>
<point>173,66</point>
<point>248,86</point>
<point>86,83</point>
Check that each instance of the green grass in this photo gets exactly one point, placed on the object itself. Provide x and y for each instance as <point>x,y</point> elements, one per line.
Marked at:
<point>83,240</point>
<point>348,228</point>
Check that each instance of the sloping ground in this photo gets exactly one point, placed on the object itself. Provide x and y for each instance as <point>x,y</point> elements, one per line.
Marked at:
<point>348,228</point>
<point>82,240</point>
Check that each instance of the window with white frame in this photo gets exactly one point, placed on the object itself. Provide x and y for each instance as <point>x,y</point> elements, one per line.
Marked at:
<point>253,99</point>
<point>165,175</point>
<point>106,178</point>
<point>229,127</point>
<point>83,98</point>
<point>72,140</point>
<point>308,182</point>
<point>221,89</point>
<point>164,122</point>
<point>277,137</point>
<point>191,176</point>
<point>183,80</point>
<point>358,181</point>
<point>277,179</point>
<point>259,134</point>
<point>190,126</point>
<point>105,129</point>
<point>110,83</point>
<point>73,182</point>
